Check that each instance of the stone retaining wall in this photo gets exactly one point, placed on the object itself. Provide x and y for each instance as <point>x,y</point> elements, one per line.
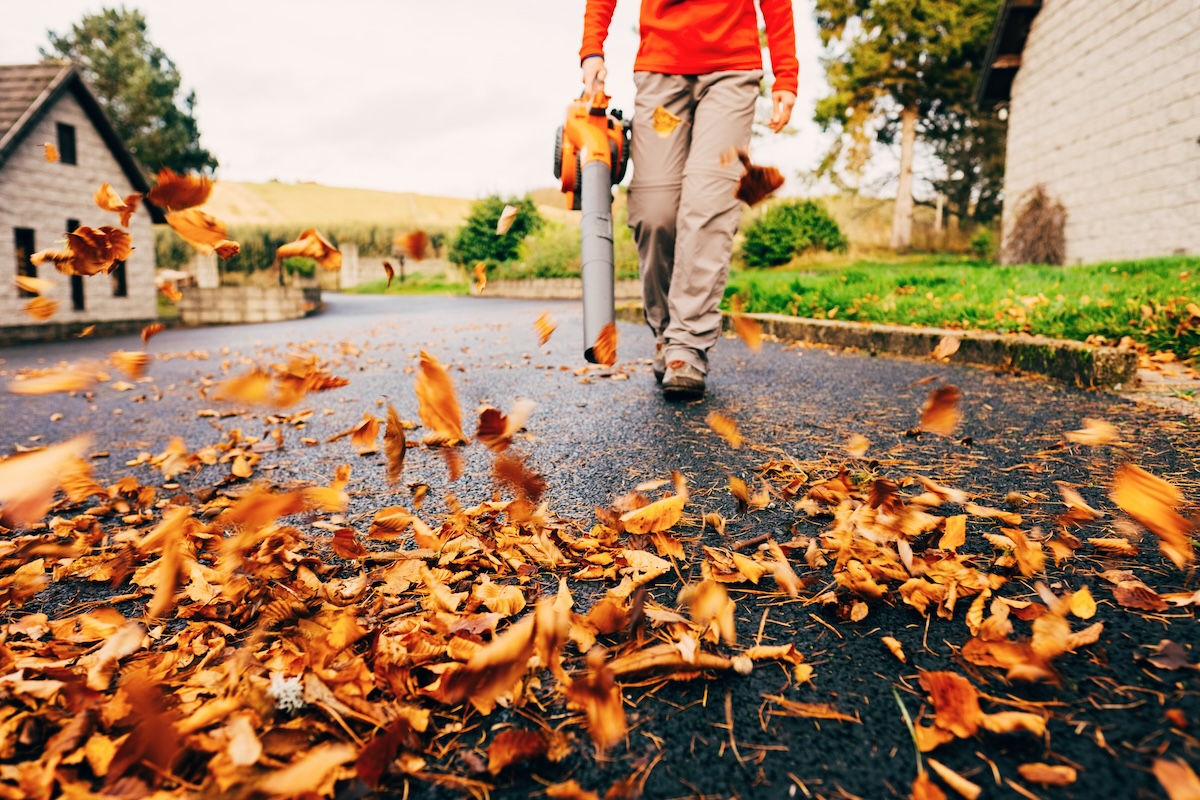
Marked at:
<point>242,304</point>
<point>55,331</point>
<point>555,289</point>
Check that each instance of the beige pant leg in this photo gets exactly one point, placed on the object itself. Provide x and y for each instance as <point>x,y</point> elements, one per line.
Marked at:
<point>709,214</point>
<point>654,192</point>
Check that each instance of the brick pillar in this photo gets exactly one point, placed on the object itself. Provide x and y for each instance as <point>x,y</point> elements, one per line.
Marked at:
<point>204,270</point>
<point>350,275</point>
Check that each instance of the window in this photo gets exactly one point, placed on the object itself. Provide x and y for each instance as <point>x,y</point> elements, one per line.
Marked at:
<point>119,284</point>
<point>77,301</point>
<point>23,238</point>
<point>66,143</point>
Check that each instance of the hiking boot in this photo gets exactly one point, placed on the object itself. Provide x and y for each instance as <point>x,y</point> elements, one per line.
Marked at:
<point>660,361</point>
<point>682,381</point>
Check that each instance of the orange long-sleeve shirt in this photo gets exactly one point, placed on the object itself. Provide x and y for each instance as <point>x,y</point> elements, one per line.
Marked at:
<point>694,37</point>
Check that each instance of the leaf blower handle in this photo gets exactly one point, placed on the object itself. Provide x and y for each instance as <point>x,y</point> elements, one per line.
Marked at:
<point>596,234</point>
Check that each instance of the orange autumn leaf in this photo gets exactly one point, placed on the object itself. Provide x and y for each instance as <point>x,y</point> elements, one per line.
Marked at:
<point>1177,778</point>
<point>41,308</point>
<point>946,347</point>
<point>510,470</point>
<point>726,428</point>
<point>497,429</point>
<point>604,349</point>
<point>169,538</point>
<point>924,788</point>
<point>660,515</point>
<point>86,332</point>
<point>394,445</point>
<point>749,330</point>
<point>507,217</point>
<point>227,249</point>
<point>1095,432</point>
<point>175,192</point>
<point>415,244</point>
<point>89,251</point>
<point>170,292</point>
<point>857,445</point>
<point>35,285</point>
<point>513,746</point>
<point>895,648</point>
<point>107,199</point>
<point>1047,775</point>
<point>68,380</point>
<point>308,773</point>
<point>28,480</point>
<point>757,183</point>
<point>955,702</point>
<point>599,696</point>
<point>201,230</point>
<point>479,272</point>
<point>51,152</point>
<point>438,403</point>
<point>941,414</point>
<point>131,362</point>
<point>346,545</point>
<point>312,244</point>
<point>965,788</point>
<point>544,326</point>
<point>955,535</point>
<point>390,272</point>
<point>664,122</point>
<point>1152,502</point>
<point>151,330</point>
<point>365,435</point>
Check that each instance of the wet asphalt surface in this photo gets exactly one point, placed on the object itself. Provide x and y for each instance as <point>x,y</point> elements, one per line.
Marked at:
<point>595,437</point>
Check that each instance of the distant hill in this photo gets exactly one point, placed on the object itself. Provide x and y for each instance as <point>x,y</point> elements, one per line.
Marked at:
<point>278,203</point>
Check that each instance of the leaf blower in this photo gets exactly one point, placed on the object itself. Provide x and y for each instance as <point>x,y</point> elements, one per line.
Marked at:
<point>591,153</point>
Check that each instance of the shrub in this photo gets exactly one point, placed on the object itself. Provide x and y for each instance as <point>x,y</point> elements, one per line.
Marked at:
<point>170,251</point>
<point>554,252</point>
<point>298,265</point>
<point>476,240</point>
<point>789,229</point>
<point>983,244</point>
<point>1037,235</point>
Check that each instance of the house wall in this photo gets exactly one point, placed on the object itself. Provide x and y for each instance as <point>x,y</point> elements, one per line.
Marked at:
<point>40,195</point>
<point>1105,111</point>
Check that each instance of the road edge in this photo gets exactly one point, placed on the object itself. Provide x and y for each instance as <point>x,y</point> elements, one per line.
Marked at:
<point>1074,362</point>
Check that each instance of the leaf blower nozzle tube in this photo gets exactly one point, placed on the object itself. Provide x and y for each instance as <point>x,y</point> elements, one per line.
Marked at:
<point>596,237</point>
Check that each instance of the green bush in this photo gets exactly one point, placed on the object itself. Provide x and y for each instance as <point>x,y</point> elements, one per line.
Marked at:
<point>554,252</point>
<point>983,244</point>
<point>298,265</point>
<point>477,240</point>
<point>170,251</point>
<point>789,229</point>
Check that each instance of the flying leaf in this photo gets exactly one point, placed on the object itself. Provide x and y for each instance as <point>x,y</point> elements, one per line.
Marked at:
<point>1152,501</point>
<point>857,445</point>
<point>88,331</point>
<point>51,152</point>
<point>1081,604</point>
<point>415,244</point>
<point>108,199</point>
<point>227,249</point>
<point>1095,432</point>
<point>131,362</point>
<point>510,470</point>
<point>34,285</point>
<point>600,698</point>
<point>28,480</point>
<point>312,244</point>
<point>725,427</point>
<point>749,330</point>
<point>68,380</point>
<point>309,773</point>
<point>175,192</point>
<point>394,445</point>
<point>41,308</point>
<point>480,274</point>
<point>507,217</point>
<point>89,251</point>
<point>438,403</point>
<point>544,326</point>
<point>757,183</point>
<point>170,292</point>
<point>390,272</point>
<point>151,330</point>
<point>513,746</point>
<point>496,430</point>
<point>946,347</point>
<point>664,122</point>
<point>604,349</point>
<point>941,414</point>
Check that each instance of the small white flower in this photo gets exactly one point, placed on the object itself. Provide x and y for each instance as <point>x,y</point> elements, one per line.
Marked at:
<point>288,693</point>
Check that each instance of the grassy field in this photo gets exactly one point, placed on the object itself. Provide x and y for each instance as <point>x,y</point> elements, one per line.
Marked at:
<point>1151,301</point>
<point>413,284</point>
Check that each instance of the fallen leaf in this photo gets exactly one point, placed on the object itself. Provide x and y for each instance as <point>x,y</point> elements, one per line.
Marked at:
<point>227,249</point>
<point>1177,778</point>
<point>924,788</point>
<point>570,790</point>
<point>955,535</point>
<point>174,192</point>
<point>940,414</point>
<point>1137,595</point>
<point>946,347</point>
<point>1168,655</point>
<point>544,326</point>
<point>41,308</point>
<point>1047,775</point>
<point>725,427</point>
<point>309,773</point>
<point>964,787</point>
<point>658,516</point>
<point>438,403</point>
<point>394,445</point>
<point>507,217</point>
<point>1082,604</point>
<point>604,349</point>
<point>895,647</point>
<point>514,746</point>
<point>365,435</point>
<point>664,122</point>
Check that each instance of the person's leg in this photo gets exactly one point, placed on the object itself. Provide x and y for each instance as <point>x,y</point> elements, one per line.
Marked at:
<point>708,214</point>
<point>658,164</point>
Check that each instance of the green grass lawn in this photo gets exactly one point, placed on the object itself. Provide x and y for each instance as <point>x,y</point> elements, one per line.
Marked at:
<point>413,284</point>
<point>1154,301</point>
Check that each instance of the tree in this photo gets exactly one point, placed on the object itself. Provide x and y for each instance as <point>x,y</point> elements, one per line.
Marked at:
<point>477,239</point>
<point>897,63</point>
<point>138,86</point>
<point>971,148</point>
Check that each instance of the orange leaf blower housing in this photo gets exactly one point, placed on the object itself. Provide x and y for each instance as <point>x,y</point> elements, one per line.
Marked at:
<point>594,133</point>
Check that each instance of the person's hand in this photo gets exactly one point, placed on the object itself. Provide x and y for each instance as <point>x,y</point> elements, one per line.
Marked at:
<point>594,74</point>
<point>782,103</point>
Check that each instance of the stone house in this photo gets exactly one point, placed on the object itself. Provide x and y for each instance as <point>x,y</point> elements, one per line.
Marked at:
<point>40,200</point>
<point>1103,102</point>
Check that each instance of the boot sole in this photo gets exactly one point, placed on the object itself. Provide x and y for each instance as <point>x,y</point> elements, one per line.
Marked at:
<point>683,391</point>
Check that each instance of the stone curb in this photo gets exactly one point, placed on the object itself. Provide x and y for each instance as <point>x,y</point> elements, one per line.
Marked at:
<point>1074,362</point>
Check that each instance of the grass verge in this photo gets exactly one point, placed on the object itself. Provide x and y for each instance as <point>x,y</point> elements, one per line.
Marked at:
<point>413,284</point>
<point>1156,302</point>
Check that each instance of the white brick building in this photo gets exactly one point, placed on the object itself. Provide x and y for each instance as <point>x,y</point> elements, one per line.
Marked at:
<point>41,200</point>
<point>1104,109</point>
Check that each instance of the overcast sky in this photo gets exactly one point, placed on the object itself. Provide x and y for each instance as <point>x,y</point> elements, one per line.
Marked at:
<point>452,97</point>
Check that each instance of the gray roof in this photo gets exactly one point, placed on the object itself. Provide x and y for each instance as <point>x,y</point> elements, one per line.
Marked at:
<point>1004,52</point>
<point>29,91</point>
